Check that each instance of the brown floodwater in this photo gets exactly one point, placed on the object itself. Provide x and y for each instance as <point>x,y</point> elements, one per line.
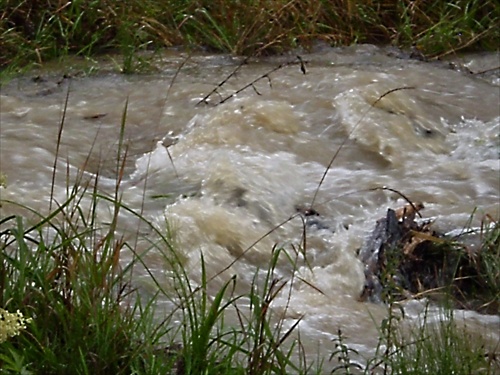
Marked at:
<point>238,170</point>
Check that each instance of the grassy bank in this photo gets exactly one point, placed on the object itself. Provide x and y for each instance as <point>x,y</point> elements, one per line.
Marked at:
<point>82,310</point>
<point>36,31</point>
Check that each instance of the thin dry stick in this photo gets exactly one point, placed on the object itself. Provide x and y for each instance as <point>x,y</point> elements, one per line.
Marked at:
<point>346,139</point>
<point>374,189</point>
<point>251,246</point>
<point>301,62</point>
<point>58,145</point>
<point>223,82</point>
<point>172,81</point>
<point>266,75</point>
<point>487,70</point>
<point>401,195</point>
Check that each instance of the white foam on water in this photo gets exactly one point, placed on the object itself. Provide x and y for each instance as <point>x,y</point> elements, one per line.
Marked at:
<point>229,185</point>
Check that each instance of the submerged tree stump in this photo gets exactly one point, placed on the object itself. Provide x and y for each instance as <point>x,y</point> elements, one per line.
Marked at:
<point>404,259</point>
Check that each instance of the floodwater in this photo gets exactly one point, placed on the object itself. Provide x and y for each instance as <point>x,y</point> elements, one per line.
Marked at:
<point>228,179</point>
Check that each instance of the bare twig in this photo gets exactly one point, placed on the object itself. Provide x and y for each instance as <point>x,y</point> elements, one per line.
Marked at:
<point>486,70</point>
<point>58,145</point>
<point>251,84</point>
<point>223,82</point>
<point>348,136</point>
<point>416,210</point>
<point>177,71</point>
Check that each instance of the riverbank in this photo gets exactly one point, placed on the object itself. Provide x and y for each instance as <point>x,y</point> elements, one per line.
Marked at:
<point>34,32</point>
<point>108,284</point>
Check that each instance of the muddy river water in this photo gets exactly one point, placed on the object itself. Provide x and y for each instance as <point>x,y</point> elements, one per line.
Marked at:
<point>239,169</point>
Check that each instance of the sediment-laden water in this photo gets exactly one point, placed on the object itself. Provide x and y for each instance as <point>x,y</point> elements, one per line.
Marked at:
<point>239,170</point>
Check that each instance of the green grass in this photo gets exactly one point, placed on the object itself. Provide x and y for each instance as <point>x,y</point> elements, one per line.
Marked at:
<point>87,316</point>
<point>425,346</point>
<point>36,31</point>
<point>65,273</point>
<point>442,348</point>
